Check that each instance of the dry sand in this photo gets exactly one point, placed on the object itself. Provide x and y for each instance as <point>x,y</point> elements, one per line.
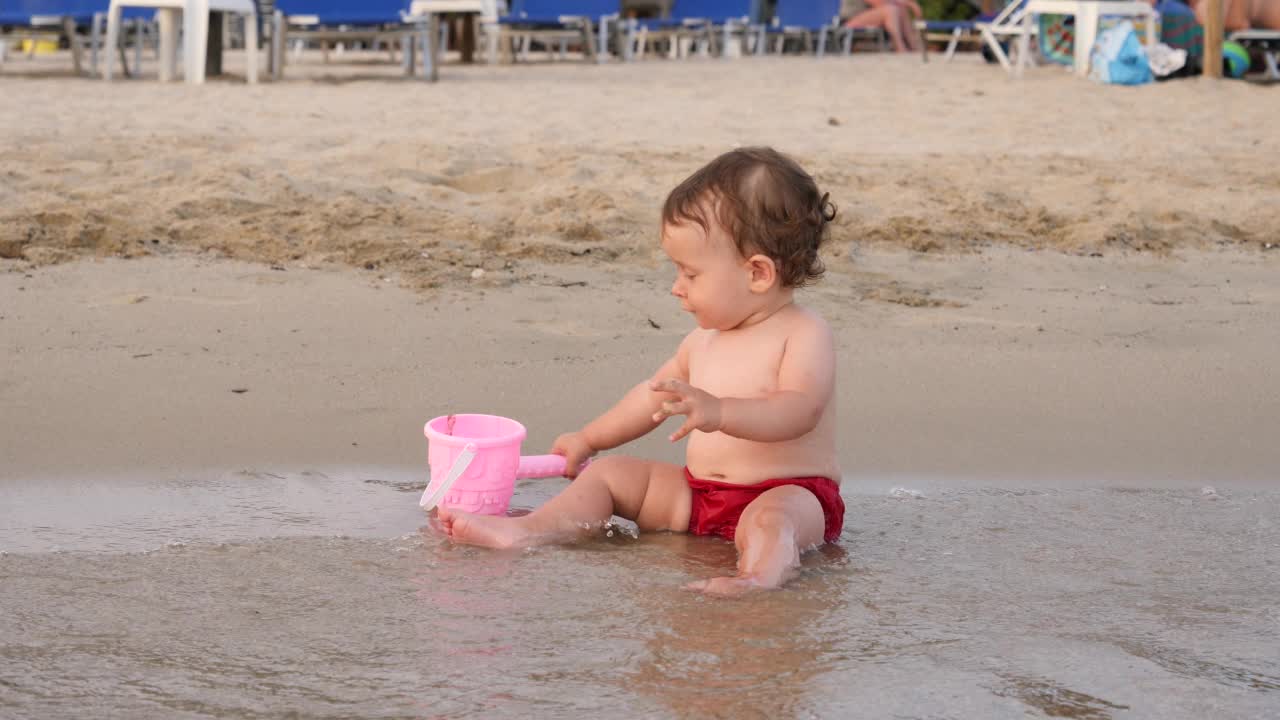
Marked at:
<point>1045,279</point>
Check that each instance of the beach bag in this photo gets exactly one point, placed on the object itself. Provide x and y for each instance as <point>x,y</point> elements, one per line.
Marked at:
<point>1118,57</point>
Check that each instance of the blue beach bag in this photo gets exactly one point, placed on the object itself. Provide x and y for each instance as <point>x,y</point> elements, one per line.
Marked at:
<point>1118,58</point>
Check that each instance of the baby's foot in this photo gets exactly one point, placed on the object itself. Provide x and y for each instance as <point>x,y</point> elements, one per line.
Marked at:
<point>728,586</point>
<point>487,530</point>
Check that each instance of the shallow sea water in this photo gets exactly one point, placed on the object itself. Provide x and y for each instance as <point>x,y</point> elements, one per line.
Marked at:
<point>257,594</point>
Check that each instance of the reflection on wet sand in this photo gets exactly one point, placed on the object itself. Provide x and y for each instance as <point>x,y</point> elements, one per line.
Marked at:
<point>747,657</point>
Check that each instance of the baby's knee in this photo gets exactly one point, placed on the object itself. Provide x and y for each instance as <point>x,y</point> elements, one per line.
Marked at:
<point>769,518</point>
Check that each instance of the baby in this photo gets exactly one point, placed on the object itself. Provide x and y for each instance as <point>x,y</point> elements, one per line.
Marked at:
<point>754,383</point>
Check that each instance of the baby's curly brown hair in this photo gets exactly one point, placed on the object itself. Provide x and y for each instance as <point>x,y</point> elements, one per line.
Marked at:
<point>766,202</point>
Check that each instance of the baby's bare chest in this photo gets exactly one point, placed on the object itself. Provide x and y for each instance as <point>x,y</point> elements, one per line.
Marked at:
<point>736,366</point>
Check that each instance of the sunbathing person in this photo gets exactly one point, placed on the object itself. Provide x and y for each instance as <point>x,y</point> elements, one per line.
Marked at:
<point>1244,14</point>
<point>896,17</point>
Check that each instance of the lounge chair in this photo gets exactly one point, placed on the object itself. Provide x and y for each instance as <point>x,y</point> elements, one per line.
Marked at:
<point>1268,41</point>
<point>697,25</point>
<point>41,19</point>
<point>984,29</point>
<point>554,22</point>
<point>376,22</point>
<point>803,20</point>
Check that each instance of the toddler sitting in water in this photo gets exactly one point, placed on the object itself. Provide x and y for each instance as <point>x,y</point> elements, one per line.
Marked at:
<point>755,383</point>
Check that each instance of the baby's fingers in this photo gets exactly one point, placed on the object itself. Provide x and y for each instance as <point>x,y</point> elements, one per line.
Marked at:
<point>671,408</point>
<point>670,385</point>
<point>688,427</point>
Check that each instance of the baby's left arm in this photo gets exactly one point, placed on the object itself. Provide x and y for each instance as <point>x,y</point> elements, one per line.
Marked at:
<point>806,381</point>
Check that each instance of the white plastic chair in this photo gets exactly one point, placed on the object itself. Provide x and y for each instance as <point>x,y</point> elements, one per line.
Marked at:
<point>195,28</point>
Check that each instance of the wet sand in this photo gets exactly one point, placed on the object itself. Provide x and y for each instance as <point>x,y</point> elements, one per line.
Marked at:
<point>1006,366</point>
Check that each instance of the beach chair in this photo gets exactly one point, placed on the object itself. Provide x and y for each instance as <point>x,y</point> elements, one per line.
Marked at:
<point>378,23</point>
<point>554,22</point>
<point>1267,41</point>
<point>195,32</point>
<point>806,19</point>
<point>35,20</point>
<point>697,26</point>
<point>990,30</point>
<point>802,20</point>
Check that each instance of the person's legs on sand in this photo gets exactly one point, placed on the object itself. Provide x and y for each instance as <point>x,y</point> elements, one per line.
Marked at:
<point>653,495</point>
<point>888,17</point>
<point>775,529</point>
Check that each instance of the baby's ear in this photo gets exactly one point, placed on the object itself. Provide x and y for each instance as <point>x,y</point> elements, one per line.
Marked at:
<point>763,272</point>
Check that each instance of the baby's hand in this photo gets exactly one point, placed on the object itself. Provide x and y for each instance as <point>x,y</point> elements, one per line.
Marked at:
<point>700,407</point>
<point>575,449</point>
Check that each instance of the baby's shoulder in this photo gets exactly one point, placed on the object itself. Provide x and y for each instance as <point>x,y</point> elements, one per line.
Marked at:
<point>805,322</point>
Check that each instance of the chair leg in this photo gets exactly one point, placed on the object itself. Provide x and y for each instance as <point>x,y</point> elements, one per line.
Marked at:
<point>1273,70</point>
<point>168,18</point>
<point>95,41</point>
<point>278,44</point>
<point>137,45</point>
<point>951,46</point>
<point>602,49</point>
<point>124,61</point>
<point>251,48</point>
<point>994,44</point>
<point>73,40</point>
<point>113,39</point>
<point>195,39</point>
<point>588,41</point>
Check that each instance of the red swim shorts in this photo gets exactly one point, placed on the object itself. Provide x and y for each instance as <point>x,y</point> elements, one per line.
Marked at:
<point>718,505</point>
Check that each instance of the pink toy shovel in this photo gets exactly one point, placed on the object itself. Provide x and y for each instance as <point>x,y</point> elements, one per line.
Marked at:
<point>475,462</point>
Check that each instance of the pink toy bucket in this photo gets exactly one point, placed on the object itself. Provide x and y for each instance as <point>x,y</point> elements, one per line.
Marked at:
<point>475,462</point>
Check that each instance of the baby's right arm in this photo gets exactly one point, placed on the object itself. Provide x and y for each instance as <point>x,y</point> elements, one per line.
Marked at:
<point>630,418</point>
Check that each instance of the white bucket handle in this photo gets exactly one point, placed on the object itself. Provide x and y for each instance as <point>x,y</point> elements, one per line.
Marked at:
<point>460,465</point>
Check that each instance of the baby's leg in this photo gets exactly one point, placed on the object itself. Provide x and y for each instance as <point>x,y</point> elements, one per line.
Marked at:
<point>654,495</point>
<point>772,533</point>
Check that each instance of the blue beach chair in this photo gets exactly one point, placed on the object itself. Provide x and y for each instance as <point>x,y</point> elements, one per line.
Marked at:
<point>36,19</point>
<point>376,22</point>
<point>807,19</point>
<point>554,21</point>
<point>696,24</point>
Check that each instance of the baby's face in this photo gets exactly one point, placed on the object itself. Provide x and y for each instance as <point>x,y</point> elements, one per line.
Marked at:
<point>712,277</point>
